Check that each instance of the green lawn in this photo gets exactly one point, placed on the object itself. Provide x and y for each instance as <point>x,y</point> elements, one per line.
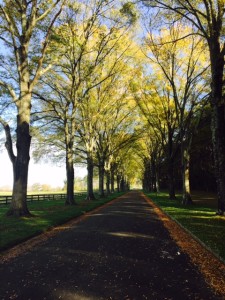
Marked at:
<point>46,215</point>
<point>199,219</point>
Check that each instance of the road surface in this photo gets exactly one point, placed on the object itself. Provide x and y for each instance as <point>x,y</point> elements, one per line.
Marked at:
<point>121,251</point>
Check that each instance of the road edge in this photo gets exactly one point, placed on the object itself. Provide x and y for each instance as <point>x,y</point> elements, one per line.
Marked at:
<point>212,268</point>
<point>30,243</point>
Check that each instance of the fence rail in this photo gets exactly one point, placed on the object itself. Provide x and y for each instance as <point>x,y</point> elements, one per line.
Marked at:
<point>39,197</point>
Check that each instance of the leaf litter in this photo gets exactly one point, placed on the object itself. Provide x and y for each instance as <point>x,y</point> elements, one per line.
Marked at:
<point>212,268</point>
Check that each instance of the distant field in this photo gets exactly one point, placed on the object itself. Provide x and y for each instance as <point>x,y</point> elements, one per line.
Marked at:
<point>5,193</point>
<point>41,192</point>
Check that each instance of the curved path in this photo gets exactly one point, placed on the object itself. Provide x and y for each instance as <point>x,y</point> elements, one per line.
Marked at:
<point>121,251</point>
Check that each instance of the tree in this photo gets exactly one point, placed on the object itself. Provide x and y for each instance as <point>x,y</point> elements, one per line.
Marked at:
<point>202,172</point>
<point>83,43</point>
<point>113,132</point>
<point>182,69</point>
<point>184,66</point>
<point>150,151</point>
<point>207,17</point>
<point>105,120</point>
<point>24,31</point>
<point>154,99</point>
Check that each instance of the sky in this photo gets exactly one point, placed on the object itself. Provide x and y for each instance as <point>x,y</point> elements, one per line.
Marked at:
<point>38,173</point>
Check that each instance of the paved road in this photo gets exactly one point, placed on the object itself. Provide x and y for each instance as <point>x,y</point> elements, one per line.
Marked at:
<point>120,252</point>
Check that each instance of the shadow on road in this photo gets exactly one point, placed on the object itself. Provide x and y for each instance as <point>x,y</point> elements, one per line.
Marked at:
<point>122,251</point>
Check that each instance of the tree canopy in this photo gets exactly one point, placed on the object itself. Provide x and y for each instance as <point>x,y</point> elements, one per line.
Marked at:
<point>122,88</point>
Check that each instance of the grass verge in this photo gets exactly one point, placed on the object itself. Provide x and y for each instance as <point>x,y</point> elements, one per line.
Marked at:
<point>199,220</point>
<point>47,214</point>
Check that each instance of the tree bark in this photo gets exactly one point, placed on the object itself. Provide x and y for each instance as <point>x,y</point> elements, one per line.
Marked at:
<point>154,177</point>
<point>108,182</point>
<point>186,192</point>
<point>218,139</point>
<point>20,170</point>
<point>101,180</point>
<point>112,180</point>
<point>218,120</point>
<point>157,180</point>
<point>122,184</point>
<point>171,182</point>
<point>118,178</point>
<point>90,170</point>
<point>147,180</point>
<point>70,175</point>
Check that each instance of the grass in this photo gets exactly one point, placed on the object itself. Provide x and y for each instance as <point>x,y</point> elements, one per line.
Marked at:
<point>46,215</point>
<point>200,219</point>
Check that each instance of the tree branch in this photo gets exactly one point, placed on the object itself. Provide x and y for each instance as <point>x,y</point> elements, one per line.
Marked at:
<point>8,143</point>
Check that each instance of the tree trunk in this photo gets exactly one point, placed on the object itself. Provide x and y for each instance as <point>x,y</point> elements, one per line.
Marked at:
<point>154,176</point>
<point>108,182</point>
<point>118,178</point>
<point>70,175</point>
<point>157,181</point>
<point>171,179</point>
<point>112,180</point>
<point>218,121</point>
<point>90,170</point>
<point>122,185</point>
<point>126,185</point>
<point>147,182</point>
<point>186,194</point>
<point>171,183</point>
<point>20,171</point>
<point>101,180</point>
<point>218,139</point>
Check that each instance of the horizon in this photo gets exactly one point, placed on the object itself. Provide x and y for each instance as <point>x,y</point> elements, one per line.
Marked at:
<point>42,173</point>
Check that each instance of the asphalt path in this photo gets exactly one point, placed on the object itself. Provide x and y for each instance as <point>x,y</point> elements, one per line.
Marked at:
<point>121,251</point>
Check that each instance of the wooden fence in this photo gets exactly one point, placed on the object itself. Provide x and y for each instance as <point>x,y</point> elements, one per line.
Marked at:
<point>39,197</point>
